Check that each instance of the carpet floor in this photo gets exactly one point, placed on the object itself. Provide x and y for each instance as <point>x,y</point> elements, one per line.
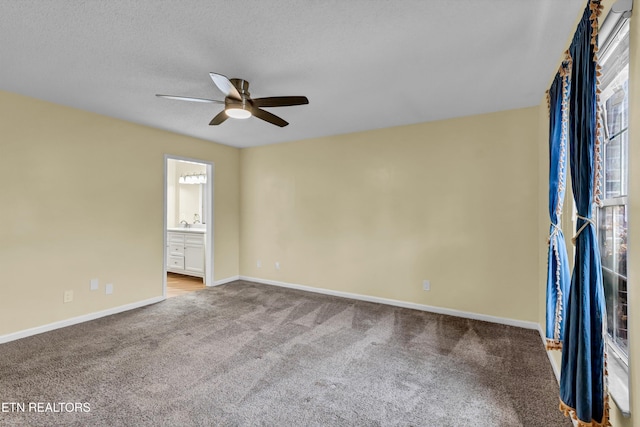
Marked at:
<point>245,354</point>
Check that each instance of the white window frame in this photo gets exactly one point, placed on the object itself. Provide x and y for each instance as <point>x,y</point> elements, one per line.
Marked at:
<point>618,360</point>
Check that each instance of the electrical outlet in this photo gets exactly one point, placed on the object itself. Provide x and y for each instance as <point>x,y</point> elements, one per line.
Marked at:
<point>259,264</point>
<point>108,289</point>
<point>68,296</point>
<point>426,285</point>
<point>277,265</point>
<point>94,284</point>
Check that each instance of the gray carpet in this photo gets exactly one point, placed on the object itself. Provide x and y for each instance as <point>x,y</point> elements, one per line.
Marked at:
<point>244,354</point>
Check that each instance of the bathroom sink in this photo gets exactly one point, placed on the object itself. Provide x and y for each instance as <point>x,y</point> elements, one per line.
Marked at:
<point>191,228</point>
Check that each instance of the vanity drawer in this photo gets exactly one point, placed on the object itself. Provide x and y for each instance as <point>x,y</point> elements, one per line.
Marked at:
<point>176,249</point>
<point>175,238</point>
<point>196,239</point>
<point>176,262</point>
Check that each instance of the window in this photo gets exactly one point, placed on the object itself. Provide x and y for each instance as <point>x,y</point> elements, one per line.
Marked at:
<point>612,216</point>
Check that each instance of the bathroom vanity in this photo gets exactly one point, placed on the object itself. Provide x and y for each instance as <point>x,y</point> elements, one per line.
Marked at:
<point>185,251</point>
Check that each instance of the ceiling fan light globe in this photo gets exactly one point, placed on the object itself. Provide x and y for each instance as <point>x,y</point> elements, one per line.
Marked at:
<point>238,113</point>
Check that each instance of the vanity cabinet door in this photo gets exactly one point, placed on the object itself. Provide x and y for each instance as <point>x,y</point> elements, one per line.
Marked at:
<point>194,258</point>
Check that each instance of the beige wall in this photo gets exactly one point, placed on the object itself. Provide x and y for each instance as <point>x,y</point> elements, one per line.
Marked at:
<point>82,198</point>
<point>375,213</point>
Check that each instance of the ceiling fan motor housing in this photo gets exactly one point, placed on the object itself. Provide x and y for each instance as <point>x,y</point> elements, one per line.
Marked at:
<point>242,86</point>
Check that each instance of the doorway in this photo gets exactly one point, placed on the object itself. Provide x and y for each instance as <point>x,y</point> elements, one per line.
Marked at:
<point>188,224</point>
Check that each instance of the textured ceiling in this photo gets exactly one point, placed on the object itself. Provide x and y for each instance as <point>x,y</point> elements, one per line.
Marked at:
<point>363,64</point>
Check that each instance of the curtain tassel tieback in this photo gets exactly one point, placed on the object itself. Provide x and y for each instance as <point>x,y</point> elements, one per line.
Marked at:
<point>554,233</point>
<point>587,222</point>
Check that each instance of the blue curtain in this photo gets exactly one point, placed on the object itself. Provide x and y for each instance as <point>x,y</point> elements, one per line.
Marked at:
<point>583,391</point>
<point>558,277</point>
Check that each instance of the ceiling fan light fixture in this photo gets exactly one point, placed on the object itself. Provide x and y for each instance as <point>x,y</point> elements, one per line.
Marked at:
<point>239,104</point>
<point>238,113</point>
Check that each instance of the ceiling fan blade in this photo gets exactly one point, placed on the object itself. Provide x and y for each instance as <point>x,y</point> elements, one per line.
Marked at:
<point>187,98</point>
<point>225,86</point>
<point>268,117</point>
<point>280,101</point>
<point>219,118</point>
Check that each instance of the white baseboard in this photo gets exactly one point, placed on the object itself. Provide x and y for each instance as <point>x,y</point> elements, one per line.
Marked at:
<point>224,281</point>
<point>75,320</point>
<point>440,310</point>
<point>397,303</point>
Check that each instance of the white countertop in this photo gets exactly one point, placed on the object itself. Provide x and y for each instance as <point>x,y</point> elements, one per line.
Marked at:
<point>187,230</point>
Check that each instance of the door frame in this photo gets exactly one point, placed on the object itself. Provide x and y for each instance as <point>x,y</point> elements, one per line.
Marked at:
<point>208,219</point>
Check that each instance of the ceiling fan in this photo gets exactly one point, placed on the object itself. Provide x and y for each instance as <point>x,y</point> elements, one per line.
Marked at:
<point>238,104</point>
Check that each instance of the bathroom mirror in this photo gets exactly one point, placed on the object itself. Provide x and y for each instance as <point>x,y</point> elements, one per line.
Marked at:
<point>186,198</point>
